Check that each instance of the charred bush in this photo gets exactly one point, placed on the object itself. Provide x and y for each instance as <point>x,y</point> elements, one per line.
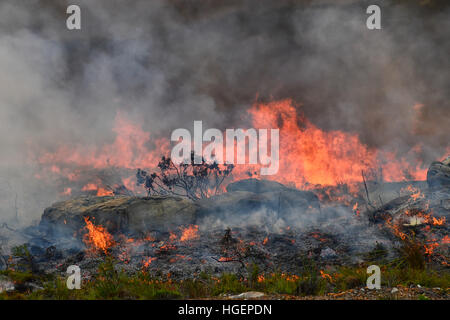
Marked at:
<point>192,180</point>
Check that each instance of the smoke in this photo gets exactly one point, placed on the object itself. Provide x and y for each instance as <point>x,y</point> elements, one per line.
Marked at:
<point>168,63</point>
<point>341,222</point>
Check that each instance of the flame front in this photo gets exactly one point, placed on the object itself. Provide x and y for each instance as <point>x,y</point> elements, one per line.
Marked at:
<point>309,156</point>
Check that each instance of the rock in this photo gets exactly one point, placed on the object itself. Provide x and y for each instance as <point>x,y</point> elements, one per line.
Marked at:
<point>118,214</point>
<point>248,295</point>
<point>160,213</point>
<point>255,186</point>
<point>251,195</point>
<point>438,174</point>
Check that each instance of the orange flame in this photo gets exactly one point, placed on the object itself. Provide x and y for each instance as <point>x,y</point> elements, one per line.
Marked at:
<point>429,249</point>
<point>225,259</point>
<point>97,237</point>
<point>439,221</point>
<point>172,236</point>
<point>325,276</point>
<point>189,233</point>
<point>309,155</point>
<point>313,156</point>
<point>446,240</point>
<point>415,193</point>
<point>149,261</point>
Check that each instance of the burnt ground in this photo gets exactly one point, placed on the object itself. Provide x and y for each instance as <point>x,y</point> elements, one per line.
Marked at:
<point>336,235</point>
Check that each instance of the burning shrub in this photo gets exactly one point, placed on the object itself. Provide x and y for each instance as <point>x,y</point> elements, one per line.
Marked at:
<point>191,180</point>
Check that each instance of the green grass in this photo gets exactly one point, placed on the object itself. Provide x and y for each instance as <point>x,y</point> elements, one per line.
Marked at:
<point>111,283</point>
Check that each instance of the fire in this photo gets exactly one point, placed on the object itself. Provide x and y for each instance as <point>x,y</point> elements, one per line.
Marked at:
<point>167,247</point>
<point>266,239</point>
<point>325,276</point>
<point>429,249</point>
<point>129,150</point>
<point>395,229</point>
<point>318,236</point>
<point>67,191</point>
<point>225,259</point>
<point>97,237</point>
<point>356,209</point>
<point>312,156</point>
<point>189,233</point>
<point>172,236</point>
<point>148,261</point>
<point>439,221</point>
<point>89,187</point>
<point>445,240</point>
<point>150,238</point>
<point>415,193</point>
<point>101,191</point>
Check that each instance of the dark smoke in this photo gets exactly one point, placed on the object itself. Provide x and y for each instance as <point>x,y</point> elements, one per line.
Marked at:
<point>169,63</point>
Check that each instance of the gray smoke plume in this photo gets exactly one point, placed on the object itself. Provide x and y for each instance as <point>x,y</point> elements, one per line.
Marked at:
<point>168,63</point>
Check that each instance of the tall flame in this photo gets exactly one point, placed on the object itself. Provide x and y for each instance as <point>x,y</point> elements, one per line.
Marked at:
<point>97,238</point>
<point>311,156</point>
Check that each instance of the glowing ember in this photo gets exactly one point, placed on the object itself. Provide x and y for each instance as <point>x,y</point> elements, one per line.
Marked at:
<point>166,247</point>
<point>446,240</point>
<point>439,221</point>
<point>97,237</point>
<point>429,249</point>
<point>325,276</point>
<point>356,209</point>
<point>225,259</point>
<point>148,261</point>
<point>172,237</point>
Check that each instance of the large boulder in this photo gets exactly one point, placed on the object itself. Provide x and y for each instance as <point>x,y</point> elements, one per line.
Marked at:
<point>118,214</point>
<point>123,213</point>
<point>256,186</point>
<point>438,174</point>
<point>251,195</point>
